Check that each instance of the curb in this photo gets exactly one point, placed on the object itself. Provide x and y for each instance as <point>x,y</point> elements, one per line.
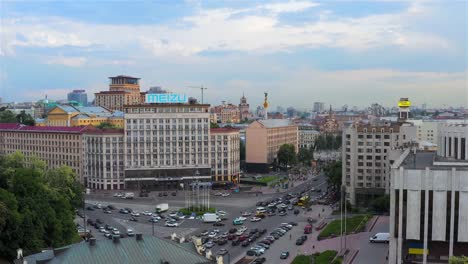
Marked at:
<point>371,226</point>
<point>353,256</point>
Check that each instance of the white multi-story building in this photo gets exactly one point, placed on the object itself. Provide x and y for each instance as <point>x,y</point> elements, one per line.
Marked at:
<point>307,137</point>
<point>366,166</point>
<point>429,201</point>
<point>225,154</point>
<point>166,145</point>
<point>104,159</point>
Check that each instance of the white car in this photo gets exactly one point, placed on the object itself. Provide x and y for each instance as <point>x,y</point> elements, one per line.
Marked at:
<point>147,213</point>
<point>157,217</point>
<point>246,213</point>
<point>134,213</point>
<point>225,194</point>
<point>223,213</point>
<point>212,234</point>
<point>241,218</point>
<point>173,214</point>
<point>114,232</point>
<point>255,219</point>
<point>172,224</point>
<point>218,194</point>
<point>240,232</point>
<point>118,194</point>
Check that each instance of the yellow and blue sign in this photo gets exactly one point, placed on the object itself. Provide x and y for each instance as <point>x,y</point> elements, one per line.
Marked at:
<point>166,98</point>
<point>415,248</point>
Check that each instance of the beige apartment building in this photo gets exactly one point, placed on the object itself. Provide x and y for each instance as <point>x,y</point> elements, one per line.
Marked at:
<point>366,157</point>
<point>104,159</point>
<point>225,154</point>
<point>263,140</point>
<point>166,145</point>
<point>226,113</point>
<point>123,90</point>
<point>57,146</point>
<point>307,137</point>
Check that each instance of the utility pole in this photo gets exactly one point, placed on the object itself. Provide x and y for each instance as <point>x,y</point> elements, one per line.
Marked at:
<point>201,89</point>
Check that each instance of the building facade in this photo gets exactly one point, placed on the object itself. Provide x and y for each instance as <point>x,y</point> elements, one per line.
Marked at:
<point>428,208</point>
<point>225,154</point>
<point>453,141</point>
<point>57,146</point>
<point>78,96</point>
<point>104,159</point>
<point>123,90</point>
<point>307,137</point>
<point>365,156</point>
<point>227,113</point>
<point>263,140</point>
<point>166,145</point>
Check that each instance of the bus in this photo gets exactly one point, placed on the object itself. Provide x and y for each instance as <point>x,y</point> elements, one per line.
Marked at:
<point>303,200</point>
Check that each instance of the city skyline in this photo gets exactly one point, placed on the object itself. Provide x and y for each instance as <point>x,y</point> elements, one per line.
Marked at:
<point>364,51</point>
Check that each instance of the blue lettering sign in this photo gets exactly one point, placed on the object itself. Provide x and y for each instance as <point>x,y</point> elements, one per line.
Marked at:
<point>166,98</point>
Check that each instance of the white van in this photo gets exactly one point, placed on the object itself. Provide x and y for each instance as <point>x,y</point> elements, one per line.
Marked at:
<point>380,238</point>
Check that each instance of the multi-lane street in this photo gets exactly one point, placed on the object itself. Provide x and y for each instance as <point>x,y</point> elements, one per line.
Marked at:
<point>233,205</point>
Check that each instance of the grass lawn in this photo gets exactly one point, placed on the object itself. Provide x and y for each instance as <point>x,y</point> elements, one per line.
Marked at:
<point>267,179</point>
<point>325,257</point>
<point>301,259</point>
<point>354,224</point>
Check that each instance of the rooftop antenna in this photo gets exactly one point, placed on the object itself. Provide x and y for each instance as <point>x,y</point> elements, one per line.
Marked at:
<point>202,90</point>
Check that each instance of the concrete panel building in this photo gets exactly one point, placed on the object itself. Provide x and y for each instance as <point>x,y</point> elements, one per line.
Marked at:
<point>104,159</point>
<point>365,156</point>
<point>225,154</point>
<point>166,145</point>
<point>263,140</point>
<point>428,204</point>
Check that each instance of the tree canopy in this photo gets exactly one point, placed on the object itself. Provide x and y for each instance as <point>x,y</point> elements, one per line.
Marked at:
<point>106,125</point>
<point>333,171</point>
<point>305,155</point>
<point>7,116</point>
<point>287,155</point>
<point>328,142</point>
<point>36,205</point>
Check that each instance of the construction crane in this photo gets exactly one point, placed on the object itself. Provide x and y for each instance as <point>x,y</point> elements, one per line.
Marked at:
<point>202,90</point>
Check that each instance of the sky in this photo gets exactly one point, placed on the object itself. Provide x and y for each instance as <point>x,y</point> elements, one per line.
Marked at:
<point>340,52</point>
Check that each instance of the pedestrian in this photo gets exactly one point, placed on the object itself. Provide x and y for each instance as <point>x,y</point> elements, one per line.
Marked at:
<point>290,237</point>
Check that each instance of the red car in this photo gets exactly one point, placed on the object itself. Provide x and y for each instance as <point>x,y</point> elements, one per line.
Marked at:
<point>242,238</point>
<point>231,237</point>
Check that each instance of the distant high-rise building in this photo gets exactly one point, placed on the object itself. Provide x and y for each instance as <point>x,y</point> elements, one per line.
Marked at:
<point>319,107</point>
<point>404,109</point>
<point>79,96</point>
<point>157,90</point>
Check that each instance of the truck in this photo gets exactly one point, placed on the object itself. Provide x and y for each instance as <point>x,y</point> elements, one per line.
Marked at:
<point>129,195</point>
<point>210,218</point>
<point>161,208</point>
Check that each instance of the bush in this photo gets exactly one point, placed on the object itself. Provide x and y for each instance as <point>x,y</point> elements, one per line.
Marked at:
<point>197,211</point>
<point>353,224</point>
<point>325,257</point>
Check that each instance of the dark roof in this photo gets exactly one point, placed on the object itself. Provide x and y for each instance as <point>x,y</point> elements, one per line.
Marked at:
<point>124,76</point>
<point>112,92</point>
<point>128,250</point>
<point>23,128</point>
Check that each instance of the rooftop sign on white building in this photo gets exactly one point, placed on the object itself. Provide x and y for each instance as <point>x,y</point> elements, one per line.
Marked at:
<point>166,98</point>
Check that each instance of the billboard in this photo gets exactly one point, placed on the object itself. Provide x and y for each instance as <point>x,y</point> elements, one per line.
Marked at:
<point>167,98</point>
<point>404,104</point>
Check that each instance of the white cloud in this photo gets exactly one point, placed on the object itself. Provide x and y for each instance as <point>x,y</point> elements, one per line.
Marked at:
<point>290,6</point>
<point>67,61</point>
<point>225,29</point>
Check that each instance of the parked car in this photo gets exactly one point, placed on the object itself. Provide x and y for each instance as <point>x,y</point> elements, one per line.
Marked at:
<point>135,213</point>
<point>296,211</point>
<point>172,224</point>
<point>299,242</point>
<point>246,243</point>
<point>123,211</point>
<point>232,230</point>
<point>133,219</point>
<point>282,213</point>
<point>222,252</point>
<point>130,232</point>
<point>209,244</point>
<point>218,224</point>
<point>235,242</point>
<point>222,242</point>
<point>284,255</point>
<point>90,208</point>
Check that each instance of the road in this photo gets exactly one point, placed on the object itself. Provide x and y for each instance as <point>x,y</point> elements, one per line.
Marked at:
<point>374,253</point>
<point>233,205</point>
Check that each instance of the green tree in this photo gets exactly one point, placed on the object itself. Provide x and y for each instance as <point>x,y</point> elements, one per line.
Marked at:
<point>287,155</point>
<point>214,125</point>
<point>333,171</point>
<point>106,125</point>
<point>36,205</point>
<point>381,204</point>
<point>458,260</point>
<point>7,116</point>
<point>25,119</point>
<point>305,156</point>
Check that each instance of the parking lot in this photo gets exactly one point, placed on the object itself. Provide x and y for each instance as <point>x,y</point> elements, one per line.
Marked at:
<point>233,205</point>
